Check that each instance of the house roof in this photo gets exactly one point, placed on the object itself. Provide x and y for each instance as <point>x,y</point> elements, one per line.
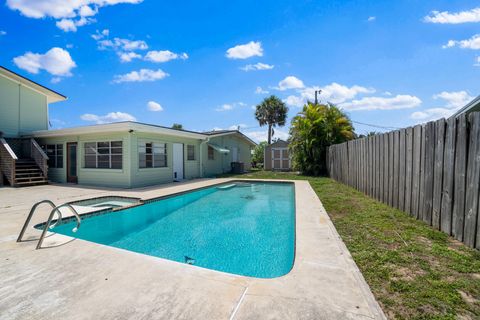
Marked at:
<point>135,126</point>
<point>472,106</point>
<point>52,96</point>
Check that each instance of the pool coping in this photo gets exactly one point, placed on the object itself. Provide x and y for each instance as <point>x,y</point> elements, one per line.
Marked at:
<point>324,282</point>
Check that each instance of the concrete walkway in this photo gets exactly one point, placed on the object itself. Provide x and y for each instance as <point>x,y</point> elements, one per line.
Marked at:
<point>76,279</point>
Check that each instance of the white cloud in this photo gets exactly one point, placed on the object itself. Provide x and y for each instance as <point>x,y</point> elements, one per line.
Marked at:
<point>128,56</point>
<point>122,44</point>
<point>109,117</point>
<point>295,101</point>
<point>371,18</point>
<point>262,135</point>
<point>55,61</point>
<point>230,106</point>
<point>56,80</point>
<point>382,103</point>
<point>257,66</point>
<point>244,51</point>
<point>141,76</point>
<point>70,25</point>
<point>454,99</point>
<point>259,90</point>
<point>431,114</point>
<point>225,107</point>
<point>477,61</point>
<point>290,82</point>
<point>337,93</point>
<point>472,43</point>
<point>100,35</point>
<point>60,9</point>
<point>164,56</point>
<point>446,17</point>
<point>154,106</point>
<point>3,33</point>
<point>334,93</point>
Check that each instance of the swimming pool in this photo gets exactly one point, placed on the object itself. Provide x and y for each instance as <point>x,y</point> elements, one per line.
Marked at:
<point>238,227</point>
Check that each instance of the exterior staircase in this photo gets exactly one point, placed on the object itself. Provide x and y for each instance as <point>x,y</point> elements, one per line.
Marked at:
<point>28,173</point>
<point>28,170</point>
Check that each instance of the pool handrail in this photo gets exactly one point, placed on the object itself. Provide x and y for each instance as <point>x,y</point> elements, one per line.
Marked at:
<point>49,221</point>
<point>30,214</point>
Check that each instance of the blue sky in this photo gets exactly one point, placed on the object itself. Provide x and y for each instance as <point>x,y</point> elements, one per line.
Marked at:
<point>205,64</point>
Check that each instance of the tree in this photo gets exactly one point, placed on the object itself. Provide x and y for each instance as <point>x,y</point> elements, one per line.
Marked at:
<point>258,152</point>
<point>177,126</point>
<point>272,112</point>
<point>312,131</point>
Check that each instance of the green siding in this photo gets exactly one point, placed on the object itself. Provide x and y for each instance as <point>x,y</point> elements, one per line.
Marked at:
<point>9,93</point>
<point>131,176</point>
<point>151,176</point>
<point>22,110</point>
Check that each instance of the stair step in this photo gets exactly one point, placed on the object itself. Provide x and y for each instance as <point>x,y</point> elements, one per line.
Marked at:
<point>33,183</point>
<point>31,178</point>
<point>26,169</point>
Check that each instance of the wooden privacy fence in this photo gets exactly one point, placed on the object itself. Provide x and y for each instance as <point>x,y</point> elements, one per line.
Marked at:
<point>430,171</point>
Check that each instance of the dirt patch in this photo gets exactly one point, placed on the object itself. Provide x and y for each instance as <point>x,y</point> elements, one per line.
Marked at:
<point>467,297</point>
<point>427,242</point>
<point>408,274</point>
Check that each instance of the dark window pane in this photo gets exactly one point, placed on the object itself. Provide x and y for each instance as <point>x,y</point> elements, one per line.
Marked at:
<point>60,162</point>
<point>103,150</point>
<point>116,144</point>
<point>104,144</point>
<point>90,161</point>
<point>116,150</point>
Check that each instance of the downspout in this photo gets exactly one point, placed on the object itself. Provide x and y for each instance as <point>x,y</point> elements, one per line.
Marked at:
<point>201,155</point>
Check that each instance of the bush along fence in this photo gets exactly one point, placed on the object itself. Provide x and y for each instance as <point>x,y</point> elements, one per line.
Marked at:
<point>431,171</point>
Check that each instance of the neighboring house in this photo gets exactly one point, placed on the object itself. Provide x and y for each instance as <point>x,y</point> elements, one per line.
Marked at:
<point>277,157</point>
<point>123,154</point>
<point>472,106</point>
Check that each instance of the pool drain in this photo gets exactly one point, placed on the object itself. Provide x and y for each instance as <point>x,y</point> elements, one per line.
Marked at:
<point>189,260</point>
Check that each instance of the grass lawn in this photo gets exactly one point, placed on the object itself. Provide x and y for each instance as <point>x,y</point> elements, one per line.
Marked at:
<point>414,271</point>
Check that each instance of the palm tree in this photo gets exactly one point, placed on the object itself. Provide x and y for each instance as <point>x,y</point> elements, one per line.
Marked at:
<point>272,112</point>
<point>313,130</point>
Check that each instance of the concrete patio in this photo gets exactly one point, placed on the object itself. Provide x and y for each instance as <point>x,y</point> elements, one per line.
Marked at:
<point>76,279</point>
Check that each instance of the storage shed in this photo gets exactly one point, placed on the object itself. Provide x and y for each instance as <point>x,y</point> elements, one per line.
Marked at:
<point>277,157</point>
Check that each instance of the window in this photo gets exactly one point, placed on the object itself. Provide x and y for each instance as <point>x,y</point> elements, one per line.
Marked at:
<point>152,155</point>
<point>103,155</point>
<point>190,152</point>
<point>55,155</point>
<point>211,153</point>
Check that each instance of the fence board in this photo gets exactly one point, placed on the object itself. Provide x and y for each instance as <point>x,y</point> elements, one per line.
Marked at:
<point>448,177</point>
<point>417,145</point>
<point>473,181</point>
<point>396,167</point>
<point>401,179</point>
<point>458,215</point>
<point>390,168</point>
<point>408,169</point>
<point>438,173</point>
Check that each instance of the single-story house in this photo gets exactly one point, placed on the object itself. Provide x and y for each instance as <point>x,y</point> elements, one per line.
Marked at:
<point>276,156</point>
<point>123,154</point>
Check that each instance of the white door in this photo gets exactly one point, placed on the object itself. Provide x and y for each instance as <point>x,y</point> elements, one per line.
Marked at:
<point>234,154</point>
<point>177,161</point>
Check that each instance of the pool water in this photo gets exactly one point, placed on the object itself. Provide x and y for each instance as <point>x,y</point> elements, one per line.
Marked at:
<point>246,229</point>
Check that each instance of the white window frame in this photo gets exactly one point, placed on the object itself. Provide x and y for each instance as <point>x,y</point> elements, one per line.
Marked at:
<point>154,146</point>
<point>96,154</point>
<point>194,154</point>
<point>55,155</point>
